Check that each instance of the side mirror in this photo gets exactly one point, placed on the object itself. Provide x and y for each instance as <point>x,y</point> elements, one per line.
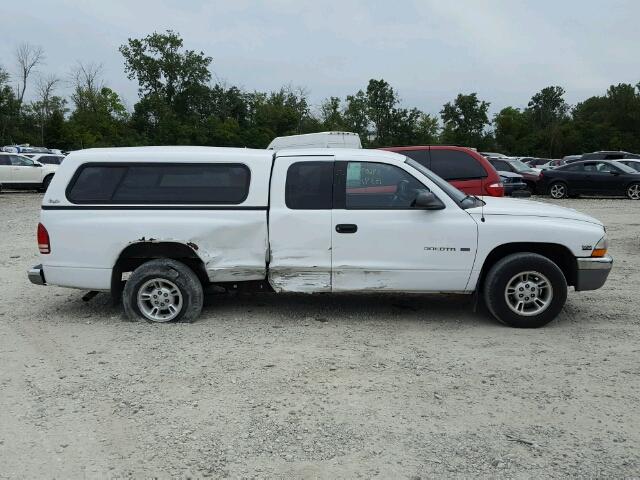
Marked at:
<point>614,172</point>
<point>427,201</point>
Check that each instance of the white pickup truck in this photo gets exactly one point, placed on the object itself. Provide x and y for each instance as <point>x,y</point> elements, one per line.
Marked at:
<point>156,224</point>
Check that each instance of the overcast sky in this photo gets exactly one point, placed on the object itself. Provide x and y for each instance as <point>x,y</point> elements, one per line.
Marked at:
<point>429,50</point>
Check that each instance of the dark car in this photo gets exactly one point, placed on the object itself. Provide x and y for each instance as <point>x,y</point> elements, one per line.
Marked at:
<point>530,175</point>
<point>635,164</point>
<point>572,158</point>
<point>512,182</point>
<point>462,167</point>
<point>599,177</point>
<point>609,155</point>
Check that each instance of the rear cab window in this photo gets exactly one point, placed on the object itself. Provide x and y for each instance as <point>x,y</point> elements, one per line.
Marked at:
<point>160,183</point>
<point>309,186</point>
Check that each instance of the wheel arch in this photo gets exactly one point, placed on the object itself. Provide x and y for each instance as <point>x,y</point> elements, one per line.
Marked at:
<point>557,253</point>
<point>137,253</point>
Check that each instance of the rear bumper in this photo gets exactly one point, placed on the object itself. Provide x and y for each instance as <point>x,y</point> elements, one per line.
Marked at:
<point>592,272</point>
<point>36,275</point>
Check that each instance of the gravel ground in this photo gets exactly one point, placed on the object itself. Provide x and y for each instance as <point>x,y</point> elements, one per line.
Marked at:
<point>292,386</point>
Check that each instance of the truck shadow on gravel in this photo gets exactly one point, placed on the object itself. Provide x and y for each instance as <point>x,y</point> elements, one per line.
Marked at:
<point>293,308</point>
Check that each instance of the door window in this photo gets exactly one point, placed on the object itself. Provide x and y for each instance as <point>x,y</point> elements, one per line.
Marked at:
<point>500,165</point>
<point>606,168</point>
<point>309,186</point>
<point>420,156</point>
<point>4,160</point>
<point>17,161</point>
<point>456,165</point>
<point>379,186</point>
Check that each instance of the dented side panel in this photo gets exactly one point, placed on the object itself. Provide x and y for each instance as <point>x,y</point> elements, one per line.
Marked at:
<point>300,240</point>
<point>232,244</point>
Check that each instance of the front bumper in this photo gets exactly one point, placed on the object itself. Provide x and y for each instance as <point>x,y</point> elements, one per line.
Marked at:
<point>36,275</point>
<point>592,272</point>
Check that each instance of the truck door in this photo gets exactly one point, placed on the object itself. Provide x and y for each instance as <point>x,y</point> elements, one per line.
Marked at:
<point>382,243</point>
<point>300,223</point>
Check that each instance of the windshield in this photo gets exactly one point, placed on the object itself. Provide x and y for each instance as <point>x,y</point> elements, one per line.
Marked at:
<point>462,199</point>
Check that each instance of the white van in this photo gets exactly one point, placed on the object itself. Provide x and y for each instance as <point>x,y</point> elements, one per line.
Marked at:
<point>317,140</point>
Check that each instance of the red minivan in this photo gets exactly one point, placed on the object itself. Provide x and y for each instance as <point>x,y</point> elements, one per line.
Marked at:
<point>462,167</point>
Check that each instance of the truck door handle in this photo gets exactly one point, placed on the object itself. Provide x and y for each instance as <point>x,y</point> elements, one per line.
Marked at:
<point>346,228</point>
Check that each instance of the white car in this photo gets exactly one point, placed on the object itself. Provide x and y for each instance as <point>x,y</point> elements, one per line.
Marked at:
<point>46,158</point>
<point>153,225</point>
<point>20,172</point>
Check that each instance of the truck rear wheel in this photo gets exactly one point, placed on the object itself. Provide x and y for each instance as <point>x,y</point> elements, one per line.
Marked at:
<point>161,291</point>
<point>525,290</point>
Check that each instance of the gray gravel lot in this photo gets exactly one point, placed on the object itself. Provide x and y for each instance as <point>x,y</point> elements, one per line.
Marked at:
<point>297,386</point>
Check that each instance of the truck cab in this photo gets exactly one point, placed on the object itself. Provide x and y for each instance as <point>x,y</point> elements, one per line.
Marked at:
<point>153,225</point>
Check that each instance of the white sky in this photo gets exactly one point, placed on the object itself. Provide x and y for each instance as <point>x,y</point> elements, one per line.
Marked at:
<point>428,50</point>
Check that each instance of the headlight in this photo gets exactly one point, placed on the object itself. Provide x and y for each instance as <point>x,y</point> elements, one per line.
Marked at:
<point>600,250</point>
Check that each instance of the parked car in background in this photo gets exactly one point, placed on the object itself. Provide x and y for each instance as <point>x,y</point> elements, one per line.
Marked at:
<point>530,175</point>
<point>635,164</point>
<point>512,182</point>
<point>553,164</point>
<point>493,155</point>
<point>535,162</point>
<point>46,158</point>
<point>20,172</point>
<point>609,155</point>
<point>599,177</point>
<point>24,149</point>
<point>571,158</point>
<point>462,167</point>
<point>317,140</point>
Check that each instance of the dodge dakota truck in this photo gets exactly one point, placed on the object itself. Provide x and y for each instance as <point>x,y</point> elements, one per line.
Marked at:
<point>154,225</point>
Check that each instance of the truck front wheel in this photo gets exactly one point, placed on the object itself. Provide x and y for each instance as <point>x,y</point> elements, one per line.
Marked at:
<point>525,290</point>
<point>163,290</point>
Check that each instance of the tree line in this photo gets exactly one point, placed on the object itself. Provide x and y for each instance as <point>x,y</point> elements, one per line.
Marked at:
<point>179,104</point>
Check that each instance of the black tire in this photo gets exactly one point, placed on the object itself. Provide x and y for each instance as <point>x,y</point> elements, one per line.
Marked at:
<point>46,182</point>
<point>558,190</point>
<point>173,271</point>
<point>506,270</point>
<point>633,191</point>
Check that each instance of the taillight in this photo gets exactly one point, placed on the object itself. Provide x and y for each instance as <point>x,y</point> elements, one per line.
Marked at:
<point>43,239</point>
<point>495,189</point>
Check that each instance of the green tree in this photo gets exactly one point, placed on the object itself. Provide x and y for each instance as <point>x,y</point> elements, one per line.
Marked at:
<point>465,121</point>
<point>511,129</point>
<point>161,68</point>
<point>331,115</point>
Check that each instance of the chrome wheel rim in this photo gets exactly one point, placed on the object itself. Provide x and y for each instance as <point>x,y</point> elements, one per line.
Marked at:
<point>557,191</point>
<point>528,293</point>
<point>159,300</point>
<point>634,192</point>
